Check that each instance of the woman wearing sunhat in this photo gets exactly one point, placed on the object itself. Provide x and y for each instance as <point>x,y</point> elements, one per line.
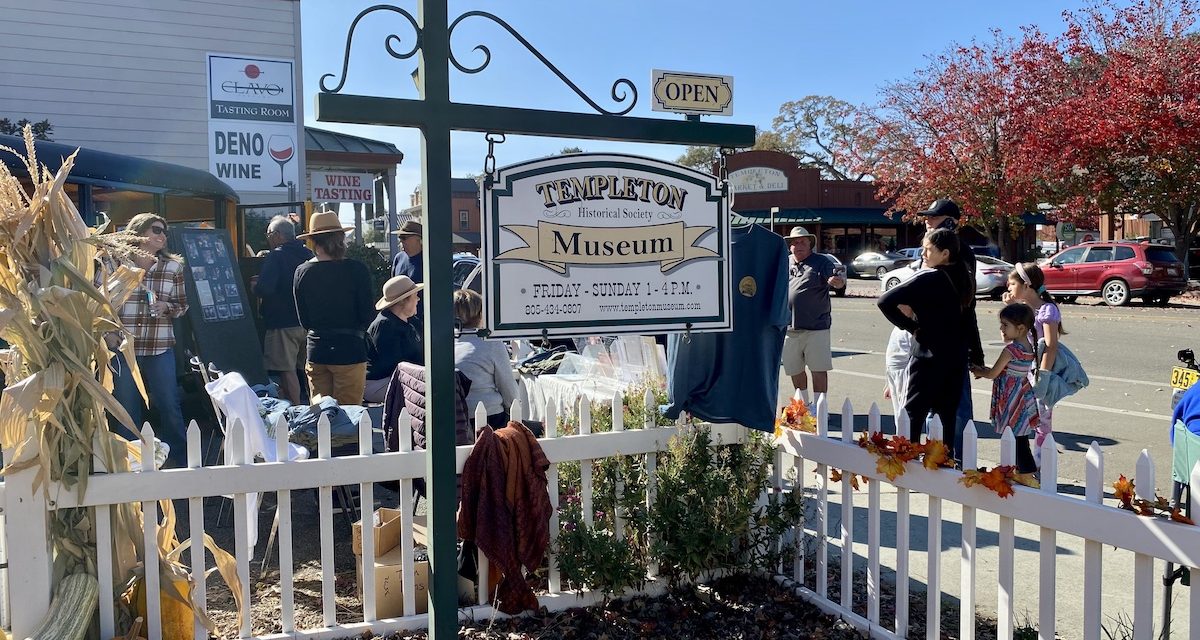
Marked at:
<point>392,337</point>
<point>334,301</point>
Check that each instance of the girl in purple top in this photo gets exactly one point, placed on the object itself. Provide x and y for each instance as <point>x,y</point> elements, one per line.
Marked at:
<point>1026,284</point>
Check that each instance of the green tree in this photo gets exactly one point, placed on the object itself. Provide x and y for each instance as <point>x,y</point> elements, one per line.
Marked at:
<point>705,158</point>
<point>570,150</point>
<point>829,134</point>
<point>41,130</point>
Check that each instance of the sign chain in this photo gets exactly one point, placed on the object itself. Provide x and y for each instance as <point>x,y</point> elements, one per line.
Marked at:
<point>723,176</point>
<point>489,161</point>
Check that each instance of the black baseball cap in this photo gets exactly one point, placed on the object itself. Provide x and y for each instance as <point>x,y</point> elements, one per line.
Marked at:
<point>943,207</point>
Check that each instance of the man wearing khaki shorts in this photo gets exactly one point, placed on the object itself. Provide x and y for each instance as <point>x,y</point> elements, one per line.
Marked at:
<point>807,343</point>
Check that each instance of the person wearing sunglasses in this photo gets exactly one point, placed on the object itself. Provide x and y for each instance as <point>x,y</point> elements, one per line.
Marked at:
<point>148,318</point>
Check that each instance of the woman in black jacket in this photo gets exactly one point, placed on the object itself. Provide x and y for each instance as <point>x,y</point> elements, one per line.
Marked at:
<point>933,306</point>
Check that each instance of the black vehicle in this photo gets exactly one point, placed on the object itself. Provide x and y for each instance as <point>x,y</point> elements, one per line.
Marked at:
<point>467,272</point>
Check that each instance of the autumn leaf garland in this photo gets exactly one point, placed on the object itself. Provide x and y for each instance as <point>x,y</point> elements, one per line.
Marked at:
<point>1159,507</point>
<point>893,452</point>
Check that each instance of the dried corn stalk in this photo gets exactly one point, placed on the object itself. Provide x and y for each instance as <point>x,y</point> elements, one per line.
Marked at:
<point>61,284</point>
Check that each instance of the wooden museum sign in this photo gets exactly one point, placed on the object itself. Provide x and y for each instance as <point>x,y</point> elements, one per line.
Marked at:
<point>589,244</point>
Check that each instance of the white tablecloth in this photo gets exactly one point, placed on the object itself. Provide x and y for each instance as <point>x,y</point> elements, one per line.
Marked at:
<point>564,391</point>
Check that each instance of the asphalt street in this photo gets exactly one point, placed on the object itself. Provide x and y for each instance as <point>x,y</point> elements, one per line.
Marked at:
<point>1127,352</point>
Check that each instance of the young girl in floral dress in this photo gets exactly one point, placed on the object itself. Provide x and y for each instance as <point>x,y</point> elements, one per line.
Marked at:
<point>1013,402</point>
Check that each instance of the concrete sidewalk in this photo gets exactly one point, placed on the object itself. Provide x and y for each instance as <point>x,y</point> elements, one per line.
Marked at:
<point>1118,575</point>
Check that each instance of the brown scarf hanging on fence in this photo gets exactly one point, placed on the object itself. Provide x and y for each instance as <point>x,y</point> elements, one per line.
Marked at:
<point>506,510</point>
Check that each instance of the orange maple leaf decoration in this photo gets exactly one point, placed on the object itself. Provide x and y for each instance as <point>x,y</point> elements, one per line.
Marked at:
<point>890,466</point>
<point>797,417</point>
<point>936,455</point>
<point>1123,490</point>
<point>1179,517</point>
<point>998,479</point>
<point>836,475</point>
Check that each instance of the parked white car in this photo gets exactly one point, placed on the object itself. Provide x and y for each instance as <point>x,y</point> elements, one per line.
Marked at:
<point>991,276</point>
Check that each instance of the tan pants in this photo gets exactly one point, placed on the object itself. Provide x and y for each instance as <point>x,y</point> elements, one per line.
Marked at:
<point>342,382</point>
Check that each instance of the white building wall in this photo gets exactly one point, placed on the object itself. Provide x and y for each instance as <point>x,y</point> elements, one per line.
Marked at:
<point>129,76</point>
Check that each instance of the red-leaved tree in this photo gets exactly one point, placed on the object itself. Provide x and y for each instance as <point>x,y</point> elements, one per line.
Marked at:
<point>947,133</point>
<point>1109,113</point>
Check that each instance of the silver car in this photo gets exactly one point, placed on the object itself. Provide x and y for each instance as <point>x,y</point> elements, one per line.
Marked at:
<point>876,263</point>
<point>991,276</point>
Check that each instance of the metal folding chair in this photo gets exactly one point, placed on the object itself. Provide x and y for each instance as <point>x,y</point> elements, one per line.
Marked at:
<point>208,374</point>
<point>1185,453</point>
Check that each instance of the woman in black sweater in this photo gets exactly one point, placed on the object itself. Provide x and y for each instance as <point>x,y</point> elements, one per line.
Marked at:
<point>334,303</point>
<point>932,306</point>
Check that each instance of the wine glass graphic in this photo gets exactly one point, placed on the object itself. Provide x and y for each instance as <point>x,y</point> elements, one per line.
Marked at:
<point>281,149</point>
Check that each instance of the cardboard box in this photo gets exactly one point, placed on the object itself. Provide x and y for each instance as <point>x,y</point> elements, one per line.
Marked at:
<point>389,584</point>
<point>387,532</point>
<point>420,532</point>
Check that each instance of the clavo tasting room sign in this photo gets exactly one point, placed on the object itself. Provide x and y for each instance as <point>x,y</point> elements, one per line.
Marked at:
<point>590,244</point>
<point>252,130</point>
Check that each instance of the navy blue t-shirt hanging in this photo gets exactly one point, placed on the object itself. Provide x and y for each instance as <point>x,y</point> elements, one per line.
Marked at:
<point>734,376</point>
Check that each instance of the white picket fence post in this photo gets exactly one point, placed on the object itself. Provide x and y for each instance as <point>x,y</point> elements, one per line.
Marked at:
<point>27,514</point>
<point>968,552</point>
<point>1093,551</point>
<point>1049,543</point>
<point>1006,569</point>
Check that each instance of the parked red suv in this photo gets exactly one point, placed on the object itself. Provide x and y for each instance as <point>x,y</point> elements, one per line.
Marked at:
<point>1116,271</point>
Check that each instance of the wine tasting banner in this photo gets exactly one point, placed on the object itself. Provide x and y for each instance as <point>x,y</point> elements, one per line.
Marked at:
<point>587,244</point>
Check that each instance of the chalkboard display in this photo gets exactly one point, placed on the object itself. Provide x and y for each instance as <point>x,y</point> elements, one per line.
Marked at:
<point>219,311</point>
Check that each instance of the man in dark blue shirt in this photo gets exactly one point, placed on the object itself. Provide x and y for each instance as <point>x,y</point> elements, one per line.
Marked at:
<point>284,342</point>
<point>408,261</point>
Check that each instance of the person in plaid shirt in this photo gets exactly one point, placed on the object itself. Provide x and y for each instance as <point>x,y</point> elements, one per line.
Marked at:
<point>148,317</point>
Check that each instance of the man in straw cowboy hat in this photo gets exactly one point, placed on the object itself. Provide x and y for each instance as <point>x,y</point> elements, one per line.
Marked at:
<point>393,337</point>
<point>334,301</point>
<point>408,261</point>
<point>807,344</point>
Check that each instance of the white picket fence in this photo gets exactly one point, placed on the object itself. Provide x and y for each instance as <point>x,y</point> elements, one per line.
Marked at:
<point>31,578</point>
<point>1099,525</point>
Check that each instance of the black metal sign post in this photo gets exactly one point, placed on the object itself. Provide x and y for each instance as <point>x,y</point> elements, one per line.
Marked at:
<point>436,116</point>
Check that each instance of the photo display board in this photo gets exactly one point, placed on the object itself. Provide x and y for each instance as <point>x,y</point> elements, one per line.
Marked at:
<point>219,310</point>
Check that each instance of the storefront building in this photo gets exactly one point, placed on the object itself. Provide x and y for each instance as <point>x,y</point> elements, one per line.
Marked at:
<point>199,85</point>
<point>771,189</point>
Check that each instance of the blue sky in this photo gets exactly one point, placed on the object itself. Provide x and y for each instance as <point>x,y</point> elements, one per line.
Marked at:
<point>776,51</point>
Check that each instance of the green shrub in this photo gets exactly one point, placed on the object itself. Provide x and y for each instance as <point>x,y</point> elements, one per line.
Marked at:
<point>706,515</point>
<point>376,263</point>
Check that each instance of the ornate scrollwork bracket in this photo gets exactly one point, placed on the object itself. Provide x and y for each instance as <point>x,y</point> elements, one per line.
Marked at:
<point>622,90</point>
<point>390,43</point>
